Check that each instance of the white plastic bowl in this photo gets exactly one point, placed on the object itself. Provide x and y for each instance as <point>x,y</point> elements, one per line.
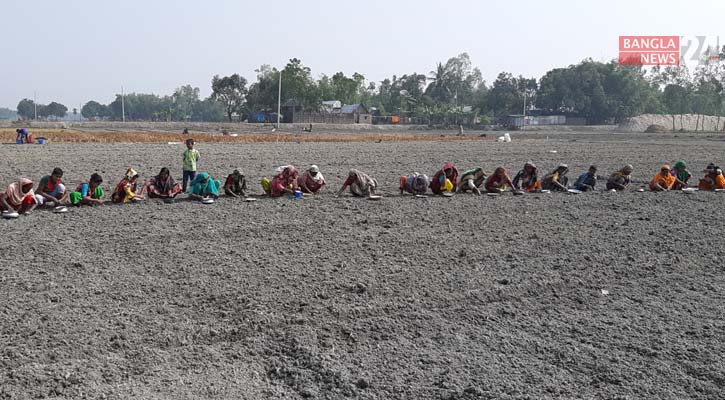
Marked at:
<point>10,214</point>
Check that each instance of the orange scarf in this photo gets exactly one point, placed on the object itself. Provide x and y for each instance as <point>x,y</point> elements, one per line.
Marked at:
<point>664,180</point>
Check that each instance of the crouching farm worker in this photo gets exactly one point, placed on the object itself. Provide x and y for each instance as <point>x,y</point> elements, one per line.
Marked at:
<point>203,186</point>
<point>311,181</point>
<point>414,184</point>
<point>51,190</point>
<point>587,180</point>
<point>621,179</point>
<point>163,186</point>
<point>663,180</point>
<point>498,181</point>
<point>527,179</point>
<point>472,180</point>
<point>360,183</point>
<point>681,174</point>
<point>557,179</point>
<point>284,182</point>
<point>236,184</point>
<point>445,179</point>
<point>126,189</point>
<point>713,179</point>
<point>18,197</point>
<point>89,192</point>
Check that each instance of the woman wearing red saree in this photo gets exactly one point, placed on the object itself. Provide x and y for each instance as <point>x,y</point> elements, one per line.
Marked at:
<point>448,172</point>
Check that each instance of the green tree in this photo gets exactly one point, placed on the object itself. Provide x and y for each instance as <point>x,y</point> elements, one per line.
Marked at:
<point>441,82</point>
<point>345,89</point>
<point>600,92</point>
<point>507,94</point>
<point>95,110</point>
<point>43,111</point>
<point>142,107</point>
<point>676,100</point>
<point>209,110</point>
<point>262,94</point>
<point>298,85</point>
<point>707,100</point>
<point>628,92</point>
<point>6,113</point>
<point>709,79</point>
<point>56,110</point>
<point>26,109</point>
<point>404,95</point>
<point>185,100</point>
<point>231,91</point>
<point>679,81</point>
<point>455,81</point>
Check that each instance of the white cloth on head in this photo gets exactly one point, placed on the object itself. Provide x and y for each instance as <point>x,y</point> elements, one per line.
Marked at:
<point>281,168</point>
<point>317,177</point>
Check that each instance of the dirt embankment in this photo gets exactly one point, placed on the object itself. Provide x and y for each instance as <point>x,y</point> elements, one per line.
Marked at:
<point>686,122</point>
<point>211,127</point>
<point>72,136</point>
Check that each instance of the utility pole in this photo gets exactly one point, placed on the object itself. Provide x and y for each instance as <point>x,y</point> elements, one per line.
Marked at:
<point>279,98</point>
<point>523,120</point>
<point>456,97</point>
<point>35,104</point>
<point>123,107</point>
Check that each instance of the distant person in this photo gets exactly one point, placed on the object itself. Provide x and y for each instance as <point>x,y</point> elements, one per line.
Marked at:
<point>125,191</point>
<point>557,179</point>
<point>186,131</point>
<point>236,184</point>
<point>527,179</point>
<point>621,179</point>
<point>190,159</point>
<point>445,179</point>
<point>360,184</point>
<point>312,181</point>
<point>285,182</point>
<point>587,180</point>
<point>498,181</point>
<point>681,174</point>
<point>713,178</point>
<point>204,187</point>
<point>51,190</point>
<point>89,192</point>
<point>18,197</point>
<point>23,136</point>
<point>415,183</point>
<point>163,186</point>
<point>472,180</point>
<point>663,180</point>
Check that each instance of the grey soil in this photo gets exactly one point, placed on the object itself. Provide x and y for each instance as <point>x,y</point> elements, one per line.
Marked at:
<point>328,298</point>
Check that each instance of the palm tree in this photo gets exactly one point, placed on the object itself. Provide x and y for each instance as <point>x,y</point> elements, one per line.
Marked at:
<point>440,88</point>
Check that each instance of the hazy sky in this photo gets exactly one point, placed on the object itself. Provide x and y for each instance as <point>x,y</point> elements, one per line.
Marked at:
<point>76,50</point>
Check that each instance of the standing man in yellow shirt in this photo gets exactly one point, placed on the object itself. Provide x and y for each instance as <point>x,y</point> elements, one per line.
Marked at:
<point>191,157</point>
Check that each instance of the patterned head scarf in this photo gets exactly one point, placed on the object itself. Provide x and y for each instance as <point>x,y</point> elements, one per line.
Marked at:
<point>131,173</point>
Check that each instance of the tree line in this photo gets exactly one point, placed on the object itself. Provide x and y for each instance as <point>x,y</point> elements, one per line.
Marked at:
<point>6,113</point>
<point>452,91</point>
<point>27,109</point>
